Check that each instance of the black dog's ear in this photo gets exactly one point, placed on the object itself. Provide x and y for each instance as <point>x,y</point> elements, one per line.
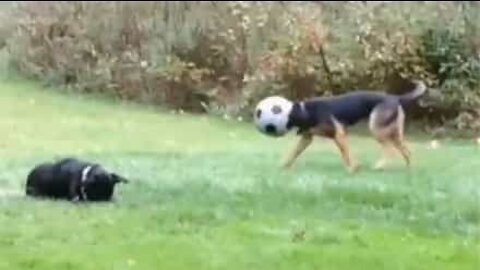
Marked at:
<point>118,179</point>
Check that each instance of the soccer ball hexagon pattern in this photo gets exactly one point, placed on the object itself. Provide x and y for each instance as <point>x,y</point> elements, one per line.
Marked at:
<point>271,115</point>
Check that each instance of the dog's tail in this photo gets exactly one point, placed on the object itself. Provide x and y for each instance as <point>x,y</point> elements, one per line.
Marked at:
<point>419,90</point>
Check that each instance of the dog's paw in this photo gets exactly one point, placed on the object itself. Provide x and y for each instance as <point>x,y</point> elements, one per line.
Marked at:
<point>286,166</point>
<point>75,199</point>
<point>353,168</point>
<point>379,165</point>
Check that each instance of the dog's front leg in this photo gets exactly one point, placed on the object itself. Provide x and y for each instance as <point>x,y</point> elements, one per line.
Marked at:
<point>303,143</point>
<point>73,192</point>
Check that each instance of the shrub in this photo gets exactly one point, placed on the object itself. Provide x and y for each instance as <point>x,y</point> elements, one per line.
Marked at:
<point>222,57</point>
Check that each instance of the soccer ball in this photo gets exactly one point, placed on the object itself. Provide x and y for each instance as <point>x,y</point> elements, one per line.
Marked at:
<point>271,115</point>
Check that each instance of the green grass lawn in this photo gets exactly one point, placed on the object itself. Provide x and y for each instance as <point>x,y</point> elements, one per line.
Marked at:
<point>207,193</point>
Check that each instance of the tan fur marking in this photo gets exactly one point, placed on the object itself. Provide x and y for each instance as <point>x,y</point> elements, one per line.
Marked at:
<point>388,136</point>
<point>399,140</point>
<point>340,139</point>
<point>400,145</point>
<point>387,152</point>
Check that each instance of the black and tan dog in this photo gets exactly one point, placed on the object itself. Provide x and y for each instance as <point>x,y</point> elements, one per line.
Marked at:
<point>330,116</point>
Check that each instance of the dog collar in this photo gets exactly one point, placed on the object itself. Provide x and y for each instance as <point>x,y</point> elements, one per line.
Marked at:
<point>303,111</point>
<point>85,172</point>
<point>302,107</point>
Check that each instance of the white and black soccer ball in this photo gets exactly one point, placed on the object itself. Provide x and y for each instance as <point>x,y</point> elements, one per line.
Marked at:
<point>271,115</point>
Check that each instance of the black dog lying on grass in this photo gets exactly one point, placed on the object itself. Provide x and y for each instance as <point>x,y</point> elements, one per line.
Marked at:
<point>73,180</point>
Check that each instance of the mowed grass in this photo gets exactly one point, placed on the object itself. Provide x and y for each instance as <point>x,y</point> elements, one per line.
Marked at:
<point>207,193</point>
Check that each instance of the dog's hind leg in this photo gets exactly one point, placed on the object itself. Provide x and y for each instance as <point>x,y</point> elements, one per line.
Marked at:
<point>398,138</point>
<point>31,191</point>
<point>401,146</point>
<point>382,124</point>
<point>403,149</point>
<point>303,143</point>
<point>387,152</point>
<point>386,124</point>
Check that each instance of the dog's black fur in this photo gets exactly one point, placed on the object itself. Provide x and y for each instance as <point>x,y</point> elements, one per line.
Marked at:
<point>347,109</point>
<point>72,179</point>
<point>330,116</point>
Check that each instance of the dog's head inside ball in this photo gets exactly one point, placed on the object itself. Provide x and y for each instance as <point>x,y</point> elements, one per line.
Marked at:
<point>100,184</point>
<point>272,114</point>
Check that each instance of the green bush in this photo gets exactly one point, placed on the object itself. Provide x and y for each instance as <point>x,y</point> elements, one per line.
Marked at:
<point>457,71</point>
<point>222,57</point>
